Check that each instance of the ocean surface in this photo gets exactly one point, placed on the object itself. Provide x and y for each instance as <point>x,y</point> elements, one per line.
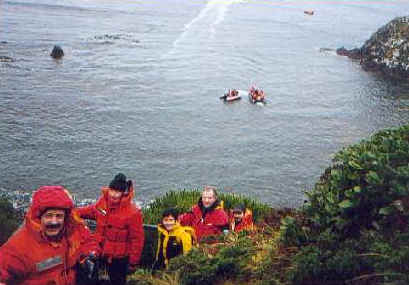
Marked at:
<point>138,92</point>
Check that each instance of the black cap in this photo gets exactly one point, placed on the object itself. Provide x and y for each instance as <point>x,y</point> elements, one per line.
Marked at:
<point>119,183</point>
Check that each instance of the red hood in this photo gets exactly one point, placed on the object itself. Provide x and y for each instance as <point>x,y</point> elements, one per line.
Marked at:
<point>50,197</point>
<point>44,198</point>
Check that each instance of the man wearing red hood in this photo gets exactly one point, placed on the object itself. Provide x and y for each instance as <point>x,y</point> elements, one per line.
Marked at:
<point>119,228</point>
<point>47,248</point>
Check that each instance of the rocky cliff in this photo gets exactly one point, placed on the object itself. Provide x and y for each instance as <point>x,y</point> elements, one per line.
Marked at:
<point>386,51</point>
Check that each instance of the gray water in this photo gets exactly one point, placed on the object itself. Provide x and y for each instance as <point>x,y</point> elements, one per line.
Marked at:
<point>138,88</point>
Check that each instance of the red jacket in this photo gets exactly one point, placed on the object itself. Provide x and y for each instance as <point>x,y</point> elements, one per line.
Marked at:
<point>206,222</point>
<point>28,258</point>
<point>119,229</point>
<point>245,224</point>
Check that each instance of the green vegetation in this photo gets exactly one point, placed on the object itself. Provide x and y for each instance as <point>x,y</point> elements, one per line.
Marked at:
<point>183,200</point>
<point>356,220</point>
<point>353,229</point>
<point>9,220</point>
<point>231,259</point>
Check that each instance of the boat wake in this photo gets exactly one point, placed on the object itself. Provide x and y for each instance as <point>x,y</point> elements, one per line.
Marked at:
<point>206,21</point>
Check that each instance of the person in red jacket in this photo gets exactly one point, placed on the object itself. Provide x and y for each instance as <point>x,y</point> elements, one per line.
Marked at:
<point>48,247</point>
<point>241,218</point>
<point>207,217</point>
<point>119,228</point>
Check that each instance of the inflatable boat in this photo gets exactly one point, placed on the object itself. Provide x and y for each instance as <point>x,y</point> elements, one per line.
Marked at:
<point>231,96</point>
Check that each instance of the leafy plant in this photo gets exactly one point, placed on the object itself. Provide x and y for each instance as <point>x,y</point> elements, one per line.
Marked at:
<point>10,219</point>
<point>216,262</point>
<point>364,186</point>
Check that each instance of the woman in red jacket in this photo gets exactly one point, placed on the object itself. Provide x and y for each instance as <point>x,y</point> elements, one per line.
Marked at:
<point>119,228</point>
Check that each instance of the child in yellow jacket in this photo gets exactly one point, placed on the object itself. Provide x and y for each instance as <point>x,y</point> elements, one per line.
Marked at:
<point>173,239</point>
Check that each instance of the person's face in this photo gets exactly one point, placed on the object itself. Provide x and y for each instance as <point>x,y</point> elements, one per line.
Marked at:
<point>238,216</point>
<point>114,196</point>
<point>52,222</point>
<point>169,222</point>
<point>208,198</point>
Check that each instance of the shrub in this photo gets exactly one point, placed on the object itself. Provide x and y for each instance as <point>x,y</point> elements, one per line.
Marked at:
<point>9,219</point>
<point>365,187</point>
<point>291,232</point>
<point>356,227</point>
<point>216,262</point>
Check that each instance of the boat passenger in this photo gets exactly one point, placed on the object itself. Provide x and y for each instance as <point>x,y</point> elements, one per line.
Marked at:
<point>262,95</point>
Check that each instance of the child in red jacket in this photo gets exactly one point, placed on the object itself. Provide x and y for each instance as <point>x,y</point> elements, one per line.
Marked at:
<point>240,218</point>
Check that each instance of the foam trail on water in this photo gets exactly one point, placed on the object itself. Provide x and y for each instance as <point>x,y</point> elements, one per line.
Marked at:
<point>209,17</point>
<point>221,12</point>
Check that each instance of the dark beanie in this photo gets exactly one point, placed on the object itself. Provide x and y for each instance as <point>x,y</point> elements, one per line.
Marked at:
<point>119,183</point>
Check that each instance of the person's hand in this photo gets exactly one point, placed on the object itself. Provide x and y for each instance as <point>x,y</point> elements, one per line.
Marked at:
<point>92,256</point>
<point>91,267</point>
<point>132,268</point>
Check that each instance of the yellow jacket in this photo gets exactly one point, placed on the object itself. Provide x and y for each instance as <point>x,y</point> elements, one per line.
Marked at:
<point>170,244</point>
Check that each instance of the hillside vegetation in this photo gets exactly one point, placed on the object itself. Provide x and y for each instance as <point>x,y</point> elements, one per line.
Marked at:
<point>9,219</point>
<point>353,228</point>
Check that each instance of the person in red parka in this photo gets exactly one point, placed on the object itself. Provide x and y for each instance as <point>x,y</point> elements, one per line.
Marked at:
<point>207,217</point>
<point>119,228</point>
<point>48,247</point>
<point>241,218</point>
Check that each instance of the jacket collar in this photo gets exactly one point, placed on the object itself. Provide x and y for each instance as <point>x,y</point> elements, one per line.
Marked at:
<point>218,204</point>
<point>103,202</point>
<point>175,228</point>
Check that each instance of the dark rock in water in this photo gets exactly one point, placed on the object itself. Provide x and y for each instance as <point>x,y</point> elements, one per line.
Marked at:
<point>57,52</point>
<point>6,59</point>
<point>326,49</point>
<point>352,53</point>
<point>387,51</point>
<point>342,51</point>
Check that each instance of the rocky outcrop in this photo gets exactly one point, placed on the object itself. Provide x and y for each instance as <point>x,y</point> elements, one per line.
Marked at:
<point>57,52</point>
<point>387,50</point>
<point>352,53</point>
<point>4,58</point>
